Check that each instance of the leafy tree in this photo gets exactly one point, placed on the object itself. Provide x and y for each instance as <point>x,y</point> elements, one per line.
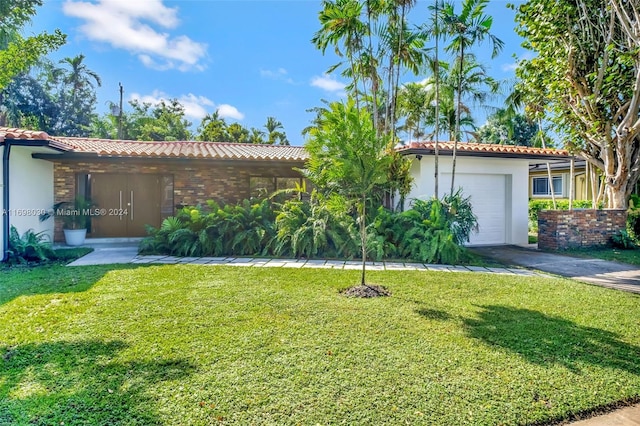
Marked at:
<point>213,128</point>
<point>161,122</point>
<point>505,128</point>
<point>238,133</point>
<point>586,76</point>
<point>77,97</point>
<point>468,28</point>
<point>347,156</point>
<point>17,53</point>
<point>275,132</point>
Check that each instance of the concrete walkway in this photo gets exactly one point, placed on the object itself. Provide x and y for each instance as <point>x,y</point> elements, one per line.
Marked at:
<point>106,253</point>
<point>593,271</point>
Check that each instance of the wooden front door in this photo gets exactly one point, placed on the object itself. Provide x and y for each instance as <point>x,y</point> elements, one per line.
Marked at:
<point>125,204</point>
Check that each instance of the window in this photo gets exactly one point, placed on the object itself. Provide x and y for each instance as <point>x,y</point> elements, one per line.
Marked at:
<point>261,186</point>
<point>541,186</point>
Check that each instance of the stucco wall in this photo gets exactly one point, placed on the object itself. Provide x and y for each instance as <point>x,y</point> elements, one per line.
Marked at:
<point>31,190</point>
<point>515,170</point>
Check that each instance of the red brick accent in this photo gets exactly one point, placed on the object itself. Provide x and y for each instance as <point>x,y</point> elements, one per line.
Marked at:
<point>562,229</point>
<point>194,181</point>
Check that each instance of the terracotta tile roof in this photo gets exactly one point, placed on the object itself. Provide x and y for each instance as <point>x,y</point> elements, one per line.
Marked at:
<point>183,149</point>
<point>485,149</point>
<point>22,134</point>
<point>148,149</point>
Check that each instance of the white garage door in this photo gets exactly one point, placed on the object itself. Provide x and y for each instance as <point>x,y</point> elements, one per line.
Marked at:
<point>488,200</point>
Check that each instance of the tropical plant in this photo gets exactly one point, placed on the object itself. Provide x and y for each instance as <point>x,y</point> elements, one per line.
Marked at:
<point>507,128</point>
<point>348,157</point>
<point>275,132</point>
<point>468,28</point>
<point>75,214</point>
<point>77,96</point>
<point>29,247</point>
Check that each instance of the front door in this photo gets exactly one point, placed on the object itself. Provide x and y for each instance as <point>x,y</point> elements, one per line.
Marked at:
<point>125,204</point>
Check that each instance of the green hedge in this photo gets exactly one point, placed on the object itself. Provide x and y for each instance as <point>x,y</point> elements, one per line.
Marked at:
<point>536,205</point>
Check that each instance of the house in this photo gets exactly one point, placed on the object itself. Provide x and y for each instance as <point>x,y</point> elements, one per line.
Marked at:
<point>132,183</point>
<point>496,177</point>
<point>586,180</point>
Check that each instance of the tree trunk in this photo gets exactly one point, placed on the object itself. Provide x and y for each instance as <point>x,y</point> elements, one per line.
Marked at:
<point>458,113</point>
<point>437,109</point>
<point>363,237</point>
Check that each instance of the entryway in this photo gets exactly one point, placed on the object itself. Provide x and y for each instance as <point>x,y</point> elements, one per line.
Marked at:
<point>125,204</point>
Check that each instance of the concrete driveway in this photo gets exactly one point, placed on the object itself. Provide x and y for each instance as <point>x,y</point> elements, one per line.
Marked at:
<point>594,271</point>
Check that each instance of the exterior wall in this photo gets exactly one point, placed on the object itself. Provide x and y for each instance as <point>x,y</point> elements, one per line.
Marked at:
<point>195,181</point>
<point>580,184</point>
<point>515,170</point>
<point>31,191</point>
<point>561,229</point>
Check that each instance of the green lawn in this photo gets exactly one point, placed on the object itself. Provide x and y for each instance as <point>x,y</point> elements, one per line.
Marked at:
<point>200,345</point>
<point>625,256</point>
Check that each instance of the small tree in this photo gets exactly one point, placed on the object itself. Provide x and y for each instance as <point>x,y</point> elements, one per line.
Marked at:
<point>347,156</point>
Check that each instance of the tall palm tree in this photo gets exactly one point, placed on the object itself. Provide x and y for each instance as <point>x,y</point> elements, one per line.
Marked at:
<point>340,22</point>
<point>79,77</point>
<point>472,26</point>
<point>413,104</point>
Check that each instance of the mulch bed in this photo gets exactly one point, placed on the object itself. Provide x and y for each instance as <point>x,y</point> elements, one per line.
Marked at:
<point>366,291</point>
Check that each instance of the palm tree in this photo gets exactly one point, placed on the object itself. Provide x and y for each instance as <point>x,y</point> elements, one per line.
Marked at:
<point>340,21</point>
<point>413,103</point>
<point>79,77</point>
<point>274,133</point>
<point>467,29</point>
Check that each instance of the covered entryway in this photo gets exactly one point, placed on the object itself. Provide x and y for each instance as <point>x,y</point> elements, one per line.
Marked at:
<point>126,203</point>
<point>489,202</point>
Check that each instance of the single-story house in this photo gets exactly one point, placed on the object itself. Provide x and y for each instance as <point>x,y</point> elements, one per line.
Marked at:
<point>148,180</point>
<point>496,177</point>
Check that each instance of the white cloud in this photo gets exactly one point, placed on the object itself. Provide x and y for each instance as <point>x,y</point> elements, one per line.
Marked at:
<point>195,107</point>
<point>328,83</point>
<point>127,24</point>
<point>228,111</point>
<point>279,74</point>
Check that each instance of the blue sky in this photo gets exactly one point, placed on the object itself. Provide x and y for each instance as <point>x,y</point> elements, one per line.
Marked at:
<point>246,59</point>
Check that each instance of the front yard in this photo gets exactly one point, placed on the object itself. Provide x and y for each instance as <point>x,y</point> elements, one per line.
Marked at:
<point>199,345</point>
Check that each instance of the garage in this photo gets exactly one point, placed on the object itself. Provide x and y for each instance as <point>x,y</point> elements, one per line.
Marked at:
<point>489,203</point>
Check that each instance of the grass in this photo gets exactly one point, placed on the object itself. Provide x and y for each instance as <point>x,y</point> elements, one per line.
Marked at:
<point>631,257</point>
<point>200,345</point>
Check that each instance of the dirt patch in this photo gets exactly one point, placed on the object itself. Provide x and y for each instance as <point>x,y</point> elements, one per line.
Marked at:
<point>366,291</point>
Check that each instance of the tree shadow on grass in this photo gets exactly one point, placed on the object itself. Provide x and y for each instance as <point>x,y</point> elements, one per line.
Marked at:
<point>543,339</point>
<point>30,281</point>
<point>80,383</point>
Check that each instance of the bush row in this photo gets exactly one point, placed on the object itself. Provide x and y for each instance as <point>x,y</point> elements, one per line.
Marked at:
<point>432,231</point>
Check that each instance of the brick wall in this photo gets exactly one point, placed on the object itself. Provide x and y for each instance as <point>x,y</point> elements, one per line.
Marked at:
<point>194,181</point>
<point>562,229</point>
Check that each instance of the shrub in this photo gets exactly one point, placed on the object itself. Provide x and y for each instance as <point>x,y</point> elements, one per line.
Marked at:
<point>623,240</point>
<point>320,227</point>
<point>536,205</point>
<point>29,247</point>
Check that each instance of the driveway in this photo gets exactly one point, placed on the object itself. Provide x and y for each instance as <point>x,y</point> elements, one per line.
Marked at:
<point>594,271</point>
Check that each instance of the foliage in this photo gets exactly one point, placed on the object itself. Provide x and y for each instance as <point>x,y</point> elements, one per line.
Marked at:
<point>322,227</point>
<point>168,344</point>
<point>28,247</point>
<point>75,214</point>
<point>633,224</point>
<point>55,99</point>
<point>583,76</point>
<point>509,129</point>
<point>623,240</point>
<point>18,54</point>
<point>247,228</point>
<point>536,205</point>
<point>214,128</point>
<point>347,156</point>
